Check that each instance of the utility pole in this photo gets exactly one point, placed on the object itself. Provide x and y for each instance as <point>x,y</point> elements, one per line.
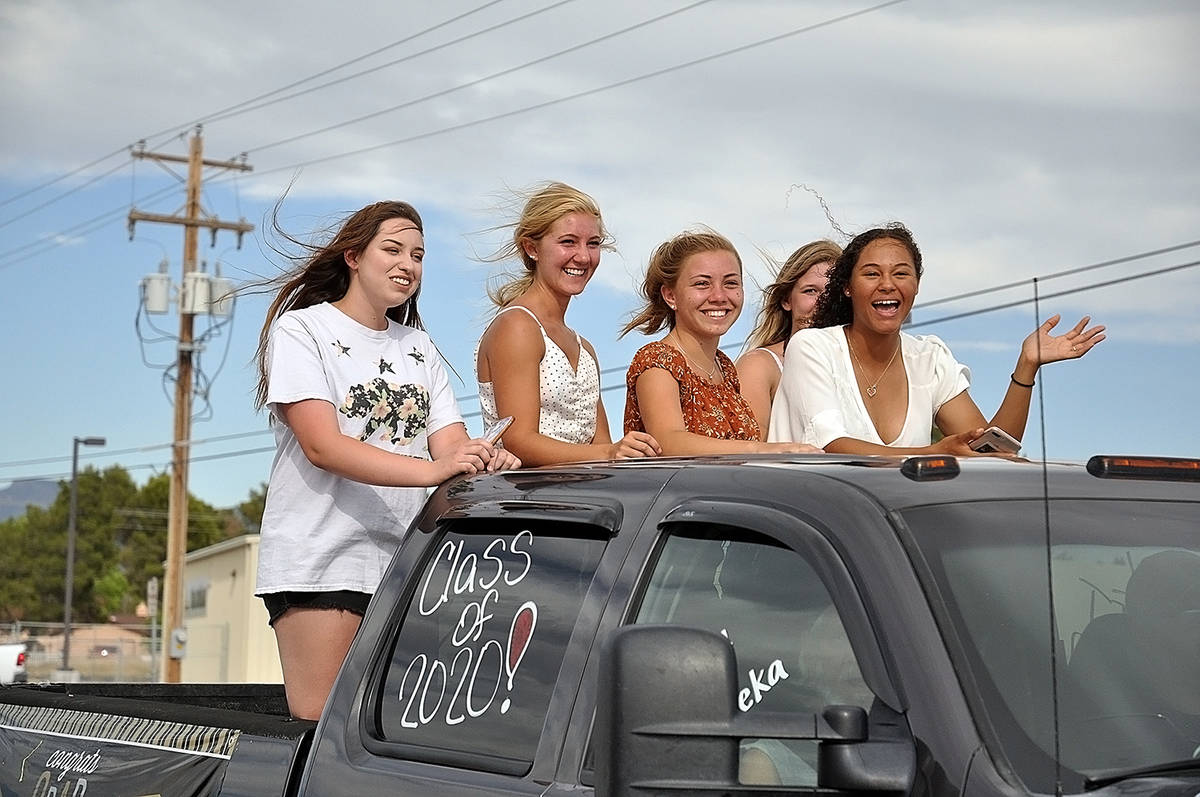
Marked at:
<point>193,219</point>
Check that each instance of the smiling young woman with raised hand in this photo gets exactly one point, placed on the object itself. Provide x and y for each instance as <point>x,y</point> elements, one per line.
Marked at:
<point>854,383</point>
<point>530,365</point>
<point>683,389</point>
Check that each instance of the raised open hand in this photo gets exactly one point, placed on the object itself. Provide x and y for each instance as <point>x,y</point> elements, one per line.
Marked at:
<point>1041,347</point>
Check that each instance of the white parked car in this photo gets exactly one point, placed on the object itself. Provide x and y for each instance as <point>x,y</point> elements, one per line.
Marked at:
<point>12,663</point>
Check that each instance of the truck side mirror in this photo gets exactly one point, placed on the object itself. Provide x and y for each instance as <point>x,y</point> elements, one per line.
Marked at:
<point>651,675</point>
<point>667,724</point>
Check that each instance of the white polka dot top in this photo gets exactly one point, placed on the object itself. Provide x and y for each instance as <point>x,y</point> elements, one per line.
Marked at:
<point>569,397</point>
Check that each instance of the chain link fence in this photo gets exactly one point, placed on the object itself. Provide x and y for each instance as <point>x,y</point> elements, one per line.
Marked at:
<point>98,652</point>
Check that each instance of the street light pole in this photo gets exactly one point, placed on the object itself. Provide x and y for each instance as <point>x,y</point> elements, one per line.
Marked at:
<point>68,592</point>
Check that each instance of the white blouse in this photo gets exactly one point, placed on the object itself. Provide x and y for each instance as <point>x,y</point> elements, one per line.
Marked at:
<point>818,399</point>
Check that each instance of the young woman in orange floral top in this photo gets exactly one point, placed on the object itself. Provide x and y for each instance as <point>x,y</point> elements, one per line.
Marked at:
<point>682,389</point>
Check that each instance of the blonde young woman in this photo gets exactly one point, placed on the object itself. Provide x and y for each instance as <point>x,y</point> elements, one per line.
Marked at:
<point>683,389</point>
<point>787,306</point>
<point>529,363</point>
<point>854,383</point>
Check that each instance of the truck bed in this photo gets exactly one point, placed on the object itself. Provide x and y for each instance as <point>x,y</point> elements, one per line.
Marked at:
<point>187,738</point>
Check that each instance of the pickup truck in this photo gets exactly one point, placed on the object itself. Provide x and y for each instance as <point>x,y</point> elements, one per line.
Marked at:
<point>727,625</point>
<point>12,663</point>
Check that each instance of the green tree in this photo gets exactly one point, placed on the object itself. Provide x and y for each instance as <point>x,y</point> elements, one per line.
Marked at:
<point>17,591</point>
<point>36,546</point>
<point>246,517</point>
<point>252,508</point>
<point>121,541</point>
<point>114,594</point>
<point>143,535</point>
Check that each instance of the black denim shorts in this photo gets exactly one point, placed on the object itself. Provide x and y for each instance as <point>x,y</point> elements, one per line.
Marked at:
<point>346,600</point>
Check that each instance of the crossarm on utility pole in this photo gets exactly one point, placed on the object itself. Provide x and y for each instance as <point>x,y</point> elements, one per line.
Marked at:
<point>213,224</point>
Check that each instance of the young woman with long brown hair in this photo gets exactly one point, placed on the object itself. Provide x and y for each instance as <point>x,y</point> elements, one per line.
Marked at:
<point>364,421</point>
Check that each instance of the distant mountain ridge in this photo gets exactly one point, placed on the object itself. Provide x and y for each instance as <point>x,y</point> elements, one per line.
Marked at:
<point>18,495</point>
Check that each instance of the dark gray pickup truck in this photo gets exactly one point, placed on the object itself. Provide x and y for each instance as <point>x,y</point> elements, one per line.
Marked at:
<point>724,625</point>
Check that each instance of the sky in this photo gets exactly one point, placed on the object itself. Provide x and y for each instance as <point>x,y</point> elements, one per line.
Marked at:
<point>1016,139</point>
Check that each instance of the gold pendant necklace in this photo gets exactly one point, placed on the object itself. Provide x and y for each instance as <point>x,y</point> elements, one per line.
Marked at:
<point>871,389</point>
<point>710,374</point>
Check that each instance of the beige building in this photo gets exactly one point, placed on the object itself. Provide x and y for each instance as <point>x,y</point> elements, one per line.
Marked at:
<point>228,639</point>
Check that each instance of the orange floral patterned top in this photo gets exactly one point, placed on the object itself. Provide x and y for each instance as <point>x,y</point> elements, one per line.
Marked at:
<point>711,410</point>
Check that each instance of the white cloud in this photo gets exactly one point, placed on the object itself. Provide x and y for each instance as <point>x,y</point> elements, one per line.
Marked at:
<point>1015,139</point>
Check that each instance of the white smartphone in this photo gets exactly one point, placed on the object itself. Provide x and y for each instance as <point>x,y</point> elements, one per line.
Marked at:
<point>995,440</point>
<point>493,432</point>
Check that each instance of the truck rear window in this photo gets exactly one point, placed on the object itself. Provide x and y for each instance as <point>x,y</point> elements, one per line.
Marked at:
<point>1126,627</point>
<point>482,641</point>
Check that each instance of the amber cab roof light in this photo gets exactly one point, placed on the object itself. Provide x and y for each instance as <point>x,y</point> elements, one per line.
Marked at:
<point>928,468</point>
<point>1183,469</point>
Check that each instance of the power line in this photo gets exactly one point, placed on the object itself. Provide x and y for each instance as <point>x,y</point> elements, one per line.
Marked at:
<point>618,385</point>
<point>1055,275</point>
<point>151,465</point>
<point>943,300</point>
<point>63,195</point>
<point>103,219</point>
<point>227,455</point>
<point>223,116</point>
<point>154,514</point>
<point>1067,292</point>
<point>227,112</point>
<point>588,92</point>
<point>477,81</point>
<point>538,106</point>
<point>113,452</point>
<point>615,369</point>
<point>67,475</point>
<point>179,129</point>
<point>1018,303</point>
<point>980,311</point>
<point>1025,282</point>
<point>62,177</point>
<point>61,239</point>
<point>97,222</point>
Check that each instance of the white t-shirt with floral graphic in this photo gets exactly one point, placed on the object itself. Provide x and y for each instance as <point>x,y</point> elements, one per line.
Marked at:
<point>320,531</point>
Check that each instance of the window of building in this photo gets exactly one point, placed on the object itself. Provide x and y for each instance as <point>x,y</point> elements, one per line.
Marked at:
<point>196,604</point>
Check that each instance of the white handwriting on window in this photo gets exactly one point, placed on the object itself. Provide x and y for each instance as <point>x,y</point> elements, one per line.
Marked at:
<point>504,564</point>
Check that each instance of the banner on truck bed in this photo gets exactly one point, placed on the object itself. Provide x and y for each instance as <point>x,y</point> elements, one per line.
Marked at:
<point>50,752</point>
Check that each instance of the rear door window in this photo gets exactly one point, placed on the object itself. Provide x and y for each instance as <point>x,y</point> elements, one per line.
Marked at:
<point>470,677</point>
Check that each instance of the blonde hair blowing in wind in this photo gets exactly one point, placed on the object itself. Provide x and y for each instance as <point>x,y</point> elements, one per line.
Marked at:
<point>544,205</point>
<point>774,323</point>
<point>663,269</point>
